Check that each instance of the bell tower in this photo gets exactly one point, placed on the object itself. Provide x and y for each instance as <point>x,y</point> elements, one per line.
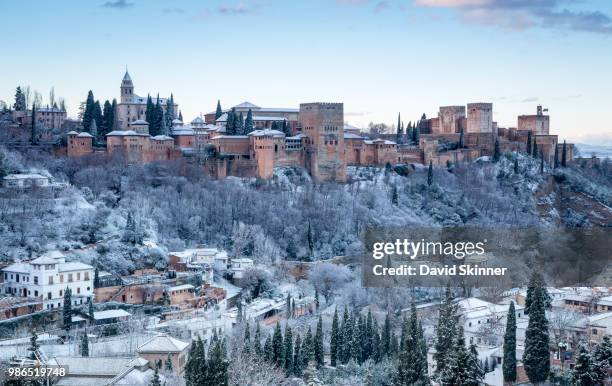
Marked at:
<point>127,88</point>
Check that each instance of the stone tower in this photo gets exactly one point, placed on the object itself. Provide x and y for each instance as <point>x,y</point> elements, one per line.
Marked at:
<point>323,123</point>
<point>127,88</point>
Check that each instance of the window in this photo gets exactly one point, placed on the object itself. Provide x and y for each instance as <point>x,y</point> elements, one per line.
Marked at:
<point>36,280</point>
<point>50,279</point>
<point>78,276</point>
<point>36,293</point>
<point>48,295</point>
<point>61,278</point>
<point>61,292</point>
<point>594,331</point>
<point>86,275</point>
<point>78,290</point>
<point>69,278</point>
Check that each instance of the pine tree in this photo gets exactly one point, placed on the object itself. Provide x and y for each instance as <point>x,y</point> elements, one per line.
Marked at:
<point>496,152</point>
<point>67,310</point>
<point>445,331</point>
<point>456,370</point>
<point>412,366</point>
<point>603,352</point>
<point>155,381</point>
<point>33,132</point>
<point>169,115</point>
<point>20,100</point>
<point>509,363</point>
<point>318,344</point>
<point>461,139</point>
<point>556,161</point>
<point>586,372</point>
<point>537,287</point>
<point>356,342</point>
<point>219,111</point>
<point>529,140</point>
<point>288,340</point>
<point>346,333</point>
<point>564,155</point>
<point>430,174</point>
<point>84,345</point>
<point>217,365</point>
<point>536,359</point>
<point>248,123</point>
<point>277,345</point>
<point>475,372</point>
<point>369,337</point>
<point>88,114</point>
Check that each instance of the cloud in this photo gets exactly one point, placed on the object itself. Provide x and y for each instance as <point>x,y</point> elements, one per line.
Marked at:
<point>530,100</point>
<point>523,14</point>
<point>238,9</point>
<point>119,4</point>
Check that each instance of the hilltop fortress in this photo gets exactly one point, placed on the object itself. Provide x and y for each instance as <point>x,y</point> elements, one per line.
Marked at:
<point>314,137</point>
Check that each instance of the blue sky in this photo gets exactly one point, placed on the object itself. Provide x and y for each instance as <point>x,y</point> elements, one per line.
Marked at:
<point>378,57</point>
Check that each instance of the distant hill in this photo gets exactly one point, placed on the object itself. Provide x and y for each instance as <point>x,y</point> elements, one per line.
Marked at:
<point>600,151</point>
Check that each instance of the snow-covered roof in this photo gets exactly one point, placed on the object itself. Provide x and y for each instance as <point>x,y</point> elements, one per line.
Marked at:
<point>74,266</point>
<point>298,136</point>
<point>84,135</point>
<point>122,133</point>
<point>181,287</point>
<point>177,121</point>
<point>197,120</point>
<point>72,133</point>
<point>25,176</point>
<point>230,137</point>
<point>352,136</point>
<point>182,130</point>
<point>266,118</point>
<point>162,138</point>
<point>45,260</point>
<point>127,77</point>
<point>140,122</point>
<point>49,110</point>
<point>109,314</point>
<point>17,267</point>
<point>94,366</point>
<point>164,344</point>
<point>267,132</point>
<point>246,105</point>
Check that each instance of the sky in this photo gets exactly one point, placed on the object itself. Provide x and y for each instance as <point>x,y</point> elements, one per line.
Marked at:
<point>378,57</point>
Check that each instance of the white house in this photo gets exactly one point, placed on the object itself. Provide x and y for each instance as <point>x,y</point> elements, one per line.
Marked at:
<point>238,266</point>
<point>26,180</point>
<point>485,321</point>
<point>47,277</point>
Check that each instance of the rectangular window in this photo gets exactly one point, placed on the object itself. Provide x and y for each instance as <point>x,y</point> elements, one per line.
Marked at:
<point>36,280</point>
<point>69,278</point>
<point>78,276</point>
<point>48,295</point>
<point>50,279</point>
<point>86,275</point>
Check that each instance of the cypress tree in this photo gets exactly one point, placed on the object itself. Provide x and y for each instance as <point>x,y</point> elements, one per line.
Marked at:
<point>219,111</point>
<point>416,134</point>
<point>461,139</point>
<point>564,155</point>
<point>400,131</point>
<point>268,351</point>
<point>88,114</point>
<point>277,345</point>
<point>33,132</point>
<point>430,174</point>
<point>288,306</point>
<point>298,360</point>
<point>97,115</point>
<point>84,345</point>
<point>445,331</point>
<point>288,339</point>
<point>556,161</point>
<point>346,337</point>
<point>239,315</point>
<point>516,166</point>
<point>385,339</point>
<point>541,162</point>
<point>67,310</point>
<point>287,128</point>
<point>318,344</point>
<point>376,351</point>
<point>248,123</point>
<point>91,310</point>
<point>150,111</point>
<point>155,381</point>
<point>240,124</point>
<point>509,363</point>
<point>496,152</point>
<point>356,345</point>
<point>412,366</point>
<point>536,358</point>
<point>20,101</point>
<point>369,336</point>
<point>317,300</point>
<point>529,142</point>
<point>536,287</point>
<point>217,366</point>
<point>108,117</point>
<point>308,348</point>
<point>334,343</point>
<point>169,115</point>
<point>257,342</point>
<point>247,338</point>
<point>96,278</point>
<point>534,151</point>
